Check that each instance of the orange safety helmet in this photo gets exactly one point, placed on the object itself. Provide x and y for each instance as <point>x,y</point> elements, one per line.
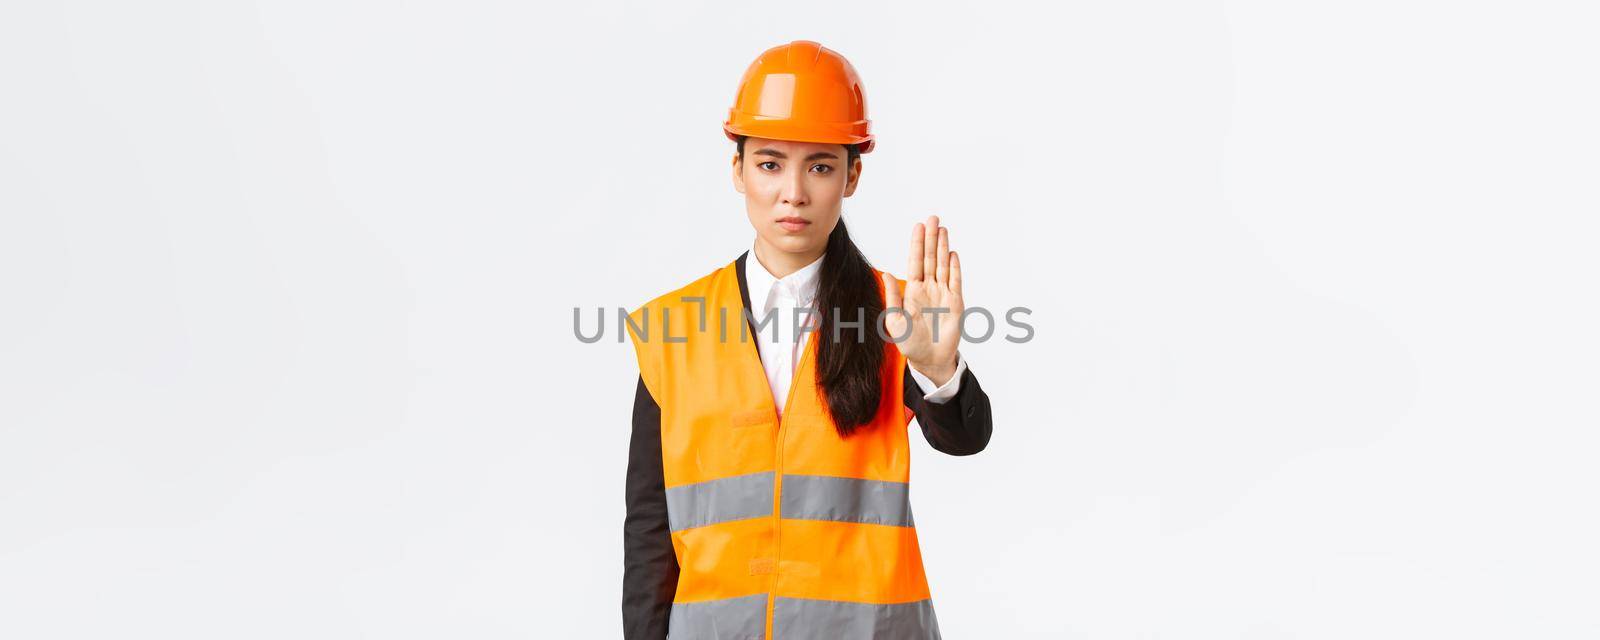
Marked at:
<point>804,92</point>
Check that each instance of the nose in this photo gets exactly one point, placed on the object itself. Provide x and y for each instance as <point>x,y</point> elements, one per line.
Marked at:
<point>794,190</point>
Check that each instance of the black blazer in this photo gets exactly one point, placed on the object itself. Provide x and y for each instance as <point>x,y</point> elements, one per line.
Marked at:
<point>959,426</point>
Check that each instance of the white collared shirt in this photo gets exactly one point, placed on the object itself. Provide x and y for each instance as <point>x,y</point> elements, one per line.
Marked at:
<point>781,342</point>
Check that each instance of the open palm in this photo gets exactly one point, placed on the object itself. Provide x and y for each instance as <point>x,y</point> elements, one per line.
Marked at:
<point>933,282</point>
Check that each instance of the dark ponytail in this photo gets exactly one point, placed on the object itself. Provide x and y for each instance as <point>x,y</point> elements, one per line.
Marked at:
<point>848,365</point>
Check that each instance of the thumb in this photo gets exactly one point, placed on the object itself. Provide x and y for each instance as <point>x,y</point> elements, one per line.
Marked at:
<point>891,291</point>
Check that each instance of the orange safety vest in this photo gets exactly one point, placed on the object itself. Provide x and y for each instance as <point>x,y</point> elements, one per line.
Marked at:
<point>782,529</point>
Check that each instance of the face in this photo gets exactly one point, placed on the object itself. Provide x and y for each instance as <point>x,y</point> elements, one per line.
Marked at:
<point>793,192</point>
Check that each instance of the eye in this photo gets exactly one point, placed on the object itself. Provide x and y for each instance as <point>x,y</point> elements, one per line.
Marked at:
<point>822,168</point>
<point>764,166</point>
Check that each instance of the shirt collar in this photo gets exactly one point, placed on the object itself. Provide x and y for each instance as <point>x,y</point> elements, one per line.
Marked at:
<point>761,284</point>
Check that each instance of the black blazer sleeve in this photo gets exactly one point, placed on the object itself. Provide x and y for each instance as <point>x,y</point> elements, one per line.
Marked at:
<point>959,426</point>
<point>649,566</point>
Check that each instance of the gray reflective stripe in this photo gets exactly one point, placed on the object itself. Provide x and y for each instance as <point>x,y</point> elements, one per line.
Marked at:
<point>720,500</point>
<point>802,619</point>
<point>846,500</point>
<point>743,618</point>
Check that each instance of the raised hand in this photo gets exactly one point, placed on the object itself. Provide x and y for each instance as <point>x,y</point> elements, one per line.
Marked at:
<point>932,296</point>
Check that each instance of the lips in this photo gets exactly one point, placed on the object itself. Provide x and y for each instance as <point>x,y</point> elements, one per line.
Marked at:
<point>793,223</point>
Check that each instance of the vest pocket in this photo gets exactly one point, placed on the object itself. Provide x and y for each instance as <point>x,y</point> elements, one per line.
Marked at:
<point>753,418</point>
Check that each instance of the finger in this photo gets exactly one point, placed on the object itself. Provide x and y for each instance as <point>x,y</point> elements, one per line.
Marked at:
<point>942,275</point>
<point>955,273</point>
<point>930,247</point>
<point>914,259</point>
<point>891,292</point>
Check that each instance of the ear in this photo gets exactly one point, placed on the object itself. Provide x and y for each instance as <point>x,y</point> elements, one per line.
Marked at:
<point>854,178</point>
<point>738,173</point>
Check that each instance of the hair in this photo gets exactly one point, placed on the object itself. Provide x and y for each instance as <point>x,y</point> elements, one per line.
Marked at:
<point>850,364</point>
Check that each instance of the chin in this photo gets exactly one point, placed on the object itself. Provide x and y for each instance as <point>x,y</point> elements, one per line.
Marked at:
<point>796,244</point>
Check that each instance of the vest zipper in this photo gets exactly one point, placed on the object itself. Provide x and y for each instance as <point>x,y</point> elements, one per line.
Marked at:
<point>777,480</point>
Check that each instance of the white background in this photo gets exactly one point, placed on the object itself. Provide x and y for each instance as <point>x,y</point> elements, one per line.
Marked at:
<point>286,297</point>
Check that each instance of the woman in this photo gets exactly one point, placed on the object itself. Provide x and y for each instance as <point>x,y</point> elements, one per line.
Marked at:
<point>767,487</point>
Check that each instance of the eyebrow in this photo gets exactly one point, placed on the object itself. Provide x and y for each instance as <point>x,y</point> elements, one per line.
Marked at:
<point>779,154</point>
